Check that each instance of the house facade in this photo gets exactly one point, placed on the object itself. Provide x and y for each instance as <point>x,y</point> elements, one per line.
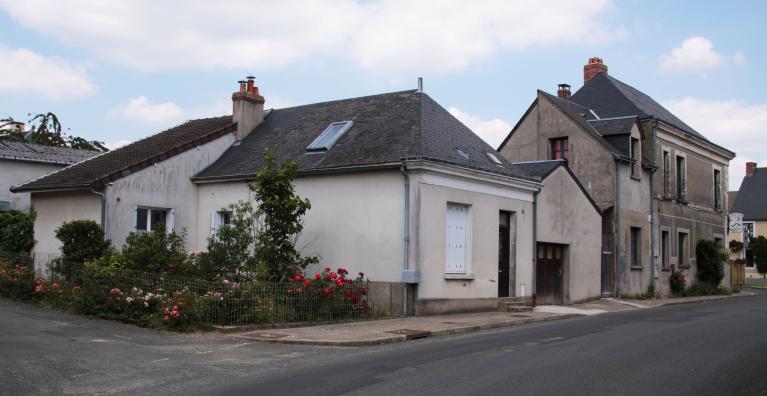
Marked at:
<point>21,162</point>
<point>660,184</point>
<point>399,188</point>
<point>749,205</point>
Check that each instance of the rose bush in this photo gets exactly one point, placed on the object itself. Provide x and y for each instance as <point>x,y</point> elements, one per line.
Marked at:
<point>328,295</point>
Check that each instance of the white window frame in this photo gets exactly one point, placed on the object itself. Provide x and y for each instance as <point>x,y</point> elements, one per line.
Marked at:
<point>217,220</point>
<point>313,146</point>
<point>456,270</point>
<point>169,217</point>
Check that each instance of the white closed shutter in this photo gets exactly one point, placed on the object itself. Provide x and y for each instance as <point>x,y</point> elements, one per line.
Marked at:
<point>455,249</point>
<point>170,219</point>
<point>213,225</point>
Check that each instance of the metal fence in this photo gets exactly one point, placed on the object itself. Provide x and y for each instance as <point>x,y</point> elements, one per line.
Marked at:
<point>237,304</point>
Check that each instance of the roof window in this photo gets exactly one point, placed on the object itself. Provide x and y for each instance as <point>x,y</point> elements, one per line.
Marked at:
<point>462,153</point>
<point>329,136</point>
<point>494,159</point>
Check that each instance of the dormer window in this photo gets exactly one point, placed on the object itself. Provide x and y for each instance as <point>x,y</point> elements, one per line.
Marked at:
<point>329,136</point>
<point>494,159</point>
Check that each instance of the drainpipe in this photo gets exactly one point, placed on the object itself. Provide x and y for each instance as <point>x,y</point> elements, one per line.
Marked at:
<point>406,255</point>
<point>617,230</point>
<point>103,196</point>
<point>533,287</point>
<point>653,231</point>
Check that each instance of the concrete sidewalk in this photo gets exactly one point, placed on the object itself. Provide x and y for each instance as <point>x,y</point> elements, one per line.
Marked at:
<point>376,332</point>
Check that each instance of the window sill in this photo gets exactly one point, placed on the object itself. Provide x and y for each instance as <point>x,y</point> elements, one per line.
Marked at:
<point>633,268</point>
<point>686,266</point>
<point>459,276</point>
<point>637,178</point>
<point>666,269</point>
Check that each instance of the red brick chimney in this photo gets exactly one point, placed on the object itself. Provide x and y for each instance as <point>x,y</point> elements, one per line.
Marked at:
<point>248,108</point>
<point>591,69</point>
<point>750,168</point>
<point>564,91</point>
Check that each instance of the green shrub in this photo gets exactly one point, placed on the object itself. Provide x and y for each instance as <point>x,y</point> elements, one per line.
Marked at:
<point>758,246</point>
<point>16,281</point>
<point>704,289</point>
<point>157,251</point>
<point>81,241</point>
<point>736,246</point>
<point>710,258</point>
<point>17,231</point>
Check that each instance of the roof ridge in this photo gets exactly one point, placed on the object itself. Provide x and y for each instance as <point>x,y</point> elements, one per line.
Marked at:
<point>347,99</point>
<point>566,101</point>
<point>612,118</point>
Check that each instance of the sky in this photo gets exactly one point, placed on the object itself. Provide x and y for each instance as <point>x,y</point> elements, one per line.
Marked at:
<point>120,71</point>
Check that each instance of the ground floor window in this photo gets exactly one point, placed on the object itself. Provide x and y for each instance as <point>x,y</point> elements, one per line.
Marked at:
<point>456,241</point>
<point>5,205</point>
<point>664,245</point>
<point>147,219</point>
<point>220,219</point>
<point>683,248</point>
<point>636,246</point>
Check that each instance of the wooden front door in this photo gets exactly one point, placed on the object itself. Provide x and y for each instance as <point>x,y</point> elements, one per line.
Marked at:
<point>504,253</point>
<point>549,274</point>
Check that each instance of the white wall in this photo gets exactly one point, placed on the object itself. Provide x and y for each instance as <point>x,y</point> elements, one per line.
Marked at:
<point>14,173</point>
<point>55,208</point>
<point>163,185</point>
<point>565,216</point>
<point>355,222</point>
<point>431,194</point>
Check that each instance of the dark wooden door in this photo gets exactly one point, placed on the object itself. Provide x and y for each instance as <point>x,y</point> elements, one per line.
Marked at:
<point>549,274</point>
<point>504,252</point>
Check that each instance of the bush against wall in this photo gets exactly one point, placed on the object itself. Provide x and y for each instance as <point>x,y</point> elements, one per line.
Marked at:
<point>82,240</point>
<point>758,246</point>
<point>710,258</point>
<point>17,231</point>
<point>230,249</point>
<point>677,281</point>
<point>156,251</point>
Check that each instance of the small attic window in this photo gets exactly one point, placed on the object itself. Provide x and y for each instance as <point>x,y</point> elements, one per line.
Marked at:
<point>329,136</point>
<point>462,153</point>
<point>494,159</point>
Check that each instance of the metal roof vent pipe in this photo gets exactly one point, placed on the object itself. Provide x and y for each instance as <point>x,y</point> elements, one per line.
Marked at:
<point>420,85</point>
<point>563,91</point>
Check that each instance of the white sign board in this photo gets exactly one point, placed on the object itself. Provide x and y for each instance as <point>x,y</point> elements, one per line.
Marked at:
<point>736,222</point>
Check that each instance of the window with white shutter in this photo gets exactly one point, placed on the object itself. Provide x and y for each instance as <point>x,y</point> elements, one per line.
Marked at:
<point>456,239</point>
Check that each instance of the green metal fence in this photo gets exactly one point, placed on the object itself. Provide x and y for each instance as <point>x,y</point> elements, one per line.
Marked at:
<point>236,304</point>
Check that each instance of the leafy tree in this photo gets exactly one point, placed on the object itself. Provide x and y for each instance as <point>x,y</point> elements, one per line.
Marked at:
<point>710,258</point>
<point>82,240</point>
<point>17,231</point>
<point>45,129</point>
<point>280,212</point>
<point>759,248</point>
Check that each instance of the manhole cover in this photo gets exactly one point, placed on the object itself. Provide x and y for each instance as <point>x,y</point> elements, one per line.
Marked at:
<point>412,334</point>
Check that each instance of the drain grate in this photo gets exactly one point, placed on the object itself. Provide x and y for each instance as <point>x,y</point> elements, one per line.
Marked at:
<point>412,334</point>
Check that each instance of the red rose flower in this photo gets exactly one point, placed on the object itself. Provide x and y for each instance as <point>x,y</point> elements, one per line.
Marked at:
<point>308,282</point>
<point>317,276</point>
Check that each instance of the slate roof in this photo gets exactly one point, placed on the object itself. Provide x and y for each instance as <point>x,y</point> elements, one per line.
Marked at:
<point>614,126</point>
<point>112,165</point>
<point>21,151</point>
<point>387,128</point>
<point>610,97</point>
<point>750,199</point>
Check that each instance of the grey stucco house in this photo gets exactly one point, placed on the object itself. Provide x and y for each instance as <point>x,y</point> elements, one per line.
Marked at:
<point>660,184</point>
<point>21,162</point>
<point>400,190</point>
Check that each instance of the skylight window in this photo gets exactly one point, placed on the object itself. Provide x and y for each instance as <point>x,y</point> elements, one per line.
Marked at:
<point>329,136</point>
<point>494,159</point>
<point>462,153</point>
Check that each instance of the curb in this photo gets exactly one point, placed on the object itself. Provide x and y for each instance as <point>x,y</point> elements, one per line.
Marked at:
<point>714,298</point>
<point>402,338</point>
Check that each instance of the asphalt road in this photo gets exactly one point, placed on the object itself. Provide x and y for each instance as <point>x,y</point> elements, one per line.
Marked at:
<point>713,348</point>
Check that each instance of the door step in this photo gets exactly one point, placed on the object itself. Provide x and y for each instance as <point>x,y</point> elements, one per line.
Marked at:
<point>515,304</point>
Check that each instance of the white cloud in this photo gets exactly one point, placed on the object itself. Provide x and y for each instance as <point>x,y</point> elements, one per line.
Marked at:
<point>22,70</point>
<point>140,109</point>
<point>492,131</point>
<point>733,124</point>
<point>385,36</point>
<point>697,55</point>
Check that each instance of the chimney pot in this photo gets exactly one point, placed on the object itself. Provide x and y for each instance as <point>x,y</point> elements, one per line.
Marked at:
<point>595,65</point>
<point>564,91</point>
<point>750,168</point>
<point>242,85</point>
<point>250,83</point>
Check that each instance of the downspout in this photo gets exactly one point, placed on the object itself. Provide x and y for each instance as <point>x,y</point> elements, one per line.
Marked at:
<point>103,196</point>
<point>406,226</point>
<point>653,231</point>
<point>617,230</point>
<point>533,287</point>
